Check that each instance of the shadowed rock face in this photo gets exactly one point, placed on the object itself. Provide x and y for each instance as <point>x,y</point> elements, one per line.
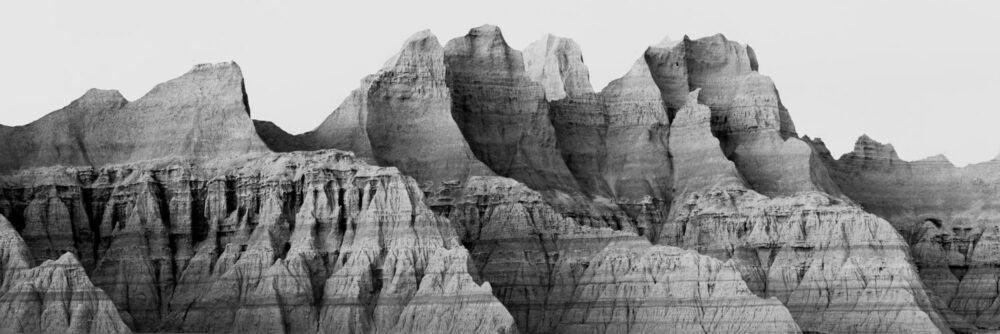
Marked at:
<point>949,216</point>
<point>502,113</point>
<point>55,296</point>
<point>200,115</point>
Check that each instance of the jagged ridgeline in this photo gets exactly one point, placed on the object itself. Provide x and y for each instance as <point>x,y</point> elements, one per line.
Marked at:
<point>473,188</point>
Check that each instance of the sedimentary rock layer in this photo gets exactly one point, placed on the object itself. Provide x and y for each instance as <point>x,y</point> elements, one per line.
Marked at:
<point>837,268</point>
<point>200,115</point>
<point>502,113</point>
<point>556,276</point>
<point>949,215</point>
<point>55,296</point>
<point>294,243</point>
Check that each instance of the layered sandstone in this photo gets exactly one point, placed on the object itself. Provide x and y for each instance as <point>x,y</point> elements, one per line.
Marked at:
<point>502,113</point>
<point>55,296</point>
<point>837,268</point>
<point>293,243</point>
<point>948,215</point>
<point>556,276</point>
<point>198,116</point>
<point>753,126</point>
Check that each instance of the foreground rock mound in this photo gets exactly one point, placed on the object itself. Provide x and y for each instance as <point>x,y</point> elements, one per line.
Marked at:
<point>201,115</point>
<point>293,243</point>
<point>55,296</point>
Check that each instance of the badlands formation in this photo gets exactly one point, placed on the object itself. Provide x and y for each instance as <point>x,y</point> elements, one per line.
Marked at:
<point>468,187</point>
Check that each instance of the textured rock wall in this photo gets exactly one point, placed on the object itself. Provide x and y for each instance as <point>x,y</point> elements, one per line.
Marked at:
<point>294,243</point>
<point>949,216</point>
<point>55,296</point>
<point>556,276</point>
<point>754,128</point>
<point>200,115</point>
<point>410,124</point>
<point>837,268</point>
<point>502,113</point>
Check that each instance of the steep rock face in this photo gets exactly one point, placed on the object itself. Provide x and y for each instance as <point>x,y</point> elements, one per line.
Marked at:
<point>614,142</point>
<point>949,216</point>
<point>754,128</point>
<point>410,125</point>
<point>55,296</point>
<point>557,64</point>
<point>502,113</point>
<point>556,276</point>
<point>205,112</point>
<point>836,267</point>
<point>577,116</point>
<point>294,243</point>
<point>56,137</point>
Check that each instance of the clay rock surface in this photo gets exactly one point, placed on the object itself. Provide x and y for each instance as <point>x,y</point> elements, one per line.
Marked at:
<point>753,126</point>
<point>947,214</point>
<point>837,268</point>
<point>201,115</point>
<point>410,124</point>
<point>292,243</point>
<point>55,296</point>
<point>502,113</point>
<point>556,276</point>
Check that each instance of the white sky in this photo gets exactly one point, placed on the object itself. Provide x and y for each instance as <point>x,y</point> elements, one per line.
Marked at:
<point>921,75</point>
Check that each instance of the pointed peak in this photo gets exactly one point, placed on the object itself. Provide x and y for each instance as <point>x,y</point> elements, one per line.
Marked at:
<point>693,96</point>
<point>867,147</point>
<point>420,36</point>
<point>94,97</point>
<point>421,41</point>
<point>68,260</point>
<point>223,66</point>
<point>5,226</point>
<point>667,42</point>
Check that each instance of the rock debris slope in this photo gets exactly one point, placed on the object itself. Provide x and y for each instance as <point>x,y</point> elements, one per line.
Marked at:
<point>55,296</point>
<point>948,215</point>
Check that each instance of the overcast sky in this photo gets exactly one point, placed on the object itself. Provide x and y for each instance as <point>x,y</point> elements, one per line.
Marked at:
<point>922,75</point>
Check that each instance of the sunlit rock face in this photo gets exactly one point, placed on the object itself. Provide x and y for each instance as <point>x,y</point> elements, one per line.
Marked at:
<point>836,267</point>
<point>754,128</point>
<point>179,118</point>
<point>949,216</point>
